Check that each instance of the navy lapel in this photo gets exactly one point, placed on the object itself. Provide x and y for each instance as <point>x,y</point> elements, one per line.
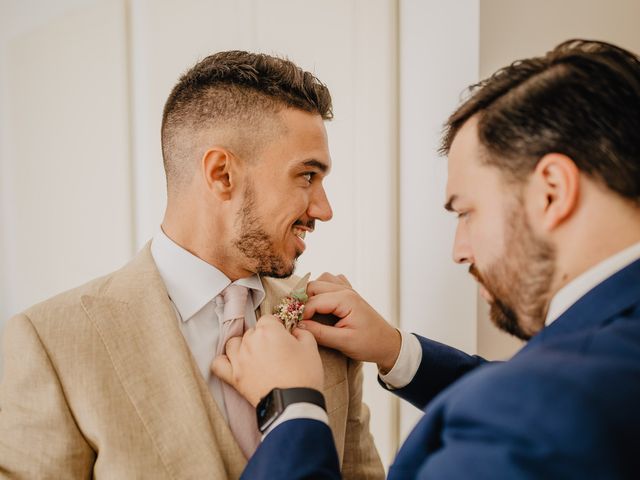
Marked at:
<point>617,293</point>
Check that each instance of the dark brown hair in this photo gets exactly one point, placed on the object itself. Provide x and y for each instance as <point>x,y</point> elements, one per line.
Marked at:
<point>582,99</point>
<point>237,91</point>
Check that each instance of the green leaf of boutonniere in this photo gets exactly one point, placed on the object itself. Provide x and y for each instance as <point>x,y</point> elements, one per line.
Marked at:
<point>300,294</point>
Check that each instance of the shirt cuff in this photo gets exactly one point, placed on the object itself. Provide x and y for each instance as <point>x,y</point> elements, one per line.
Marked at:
<point>406,364</point>
<point>306,410</point>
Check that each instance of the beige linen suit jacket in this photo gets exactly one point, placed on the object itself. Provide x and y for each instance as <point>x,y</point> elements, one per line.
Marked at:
<point>99,382</point>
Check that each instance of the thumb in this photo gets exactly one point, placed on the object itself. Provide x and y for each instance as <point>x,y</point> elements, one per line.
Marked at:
<point>221,368</point>
<point>332,337</point>
<point>304,336</point>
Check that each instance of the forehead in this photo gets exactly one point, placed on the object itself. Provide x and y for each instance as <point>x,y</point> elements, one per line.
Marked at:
<point>468,176</point>
<point>302,137</point>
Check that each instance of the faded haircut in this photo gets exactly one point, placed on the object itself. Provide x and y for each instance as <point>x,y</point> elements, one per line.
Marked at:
<point>238,93</point>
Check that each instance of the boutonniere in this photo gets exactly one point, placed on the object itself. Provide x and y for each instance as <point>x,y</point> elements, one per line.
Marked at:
<point>290,308</point>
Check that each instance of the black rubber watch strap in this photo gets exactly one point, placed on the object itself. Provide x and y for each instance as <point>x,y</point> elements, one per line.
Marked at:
<point>300,395</point>
<point>278,399</point>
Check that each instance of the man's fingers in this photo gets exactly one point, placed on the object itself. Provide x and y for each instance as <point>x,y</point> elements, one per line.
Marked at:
<point>335,303</point>
<point>320,286</point>
<point>269,321</point>
<point>304,337</point>
<point>327,336</point>
<point>232,347</point>
<point>221,368</point>
<point>343,322</point>
<point>337,279</point>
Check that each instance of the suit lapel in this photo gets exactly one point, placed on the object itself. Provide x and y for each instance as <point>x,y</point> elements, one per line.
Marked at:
<point>138,326</point>
<point>275,289</point>
<point>617,293</point>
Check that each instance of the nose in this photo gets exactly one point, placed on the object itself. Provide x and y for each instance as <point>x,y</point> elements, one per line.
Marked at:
<point>462,252</point>
<point>319,208</point>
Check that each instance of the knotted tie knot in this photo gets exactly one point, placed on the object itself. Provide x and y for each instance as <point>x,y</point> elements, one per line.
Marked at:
<point>235,302</point>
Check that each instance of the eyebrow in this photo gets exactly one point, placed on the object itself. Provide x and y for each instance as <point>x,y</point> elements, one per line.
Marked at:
<point>323,167</point>
<point>449,205</point>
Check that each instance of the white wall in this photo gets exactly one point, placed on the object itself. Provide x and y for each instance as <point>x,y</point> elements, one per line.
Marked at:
<point>65,170</point>
<point>438,59</point>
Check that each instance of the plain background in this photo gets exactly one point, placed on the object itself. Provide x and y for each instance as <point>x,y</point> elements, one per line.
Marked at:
<point>83,82</point>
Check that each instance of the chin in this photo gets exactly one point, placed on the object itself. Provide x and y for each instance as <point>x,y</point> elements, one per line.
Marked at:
<point>281,273</point>
<point>290,268</point>
<point>280,268</point>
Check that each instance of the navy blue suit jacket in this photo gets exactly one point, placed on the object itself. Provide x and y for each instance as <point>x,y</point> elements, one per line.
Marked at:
<point>567,406</point>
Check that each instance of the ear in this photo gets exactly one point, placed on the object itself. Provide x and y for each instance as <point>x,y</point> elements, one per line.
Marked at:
<point>218,170</point>
<point>555,188</point>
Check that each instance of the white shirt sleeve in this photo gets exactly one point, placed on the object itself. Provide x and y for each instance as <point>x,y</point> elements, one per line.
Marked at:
<point>406,364</point>
<point>399,376</point>
<point>299,410</point>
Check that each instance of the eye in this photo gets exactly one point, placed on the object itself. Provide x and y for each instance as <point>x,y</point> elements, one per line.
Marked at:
<point>462,215</point>
<point>308,176</point>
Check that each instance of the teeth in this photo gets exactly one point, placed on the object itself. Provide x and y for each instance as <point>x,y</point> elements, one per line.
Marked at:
<point>299,233</point>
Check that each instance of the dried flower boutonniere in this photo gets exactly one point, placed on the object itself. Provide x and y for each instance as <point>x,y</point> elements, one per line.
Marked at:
<point>290,309</point>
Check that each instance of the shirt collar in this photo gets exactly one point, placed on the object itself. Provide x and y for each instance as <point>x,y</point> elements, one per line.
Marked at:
<point>190,281</point>
<point>578,287</point>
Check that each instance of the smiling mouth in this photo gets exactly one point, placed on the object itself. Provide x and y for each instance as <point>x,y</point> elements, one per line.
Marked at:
<point>299,232</point>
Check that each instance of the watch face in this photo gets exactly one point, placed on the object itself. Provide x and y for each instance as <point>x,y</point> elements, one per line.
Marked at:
<point>267,410</point>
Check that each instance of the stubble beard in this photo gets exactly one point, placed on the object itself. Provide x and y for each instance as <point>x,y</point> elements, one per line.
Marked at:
<point>256,245</point>
<point>520,283</point>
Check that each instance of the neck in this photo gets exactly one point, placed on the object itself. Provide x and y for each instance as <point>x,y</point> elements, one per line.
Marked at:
<point>594,236</point>
<point>203,234</point>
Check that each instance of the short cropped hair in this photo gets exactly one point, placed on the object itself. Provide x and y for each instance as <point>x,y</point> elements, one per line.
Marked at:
<point>237,92</point>
<point>582,99</point>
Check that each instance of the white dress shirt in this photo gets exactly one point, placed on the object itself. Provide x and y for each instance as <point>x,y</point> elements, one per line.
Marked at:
<point>193,285</point>
<point>579,286</point>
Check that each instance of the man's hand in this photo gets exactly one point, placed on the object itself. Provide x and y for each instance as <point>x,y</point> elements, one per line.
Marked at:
<point>267,357</point>
<point>361,333</point>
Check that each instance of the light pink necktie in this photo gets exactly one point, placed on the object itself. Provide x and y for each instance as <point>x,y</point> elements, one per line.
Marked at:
<point>242,416</point>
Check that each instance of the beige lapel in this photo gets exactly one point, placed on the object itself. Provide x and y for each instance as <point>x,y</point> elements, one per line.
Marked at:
<point>138,326</point>
<point>275,289</point>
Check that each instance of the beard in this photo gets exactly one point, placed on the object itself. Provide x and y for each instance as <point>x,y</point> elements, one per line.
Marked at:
<point>520,283</point>
<point>256,245</point>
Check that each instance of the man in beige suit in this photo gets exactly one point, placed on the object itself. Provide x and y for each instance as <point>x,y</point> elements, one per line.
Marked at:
<point>113,379</point>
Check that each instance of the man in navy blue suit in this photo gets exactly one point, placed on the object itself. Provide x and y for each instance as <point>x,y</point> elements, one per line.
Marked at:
<point>544,175</point>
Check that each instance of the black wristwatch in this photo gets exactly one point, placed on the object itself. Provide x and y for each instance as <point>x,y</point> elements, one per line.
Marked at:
<point>272,406</point>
